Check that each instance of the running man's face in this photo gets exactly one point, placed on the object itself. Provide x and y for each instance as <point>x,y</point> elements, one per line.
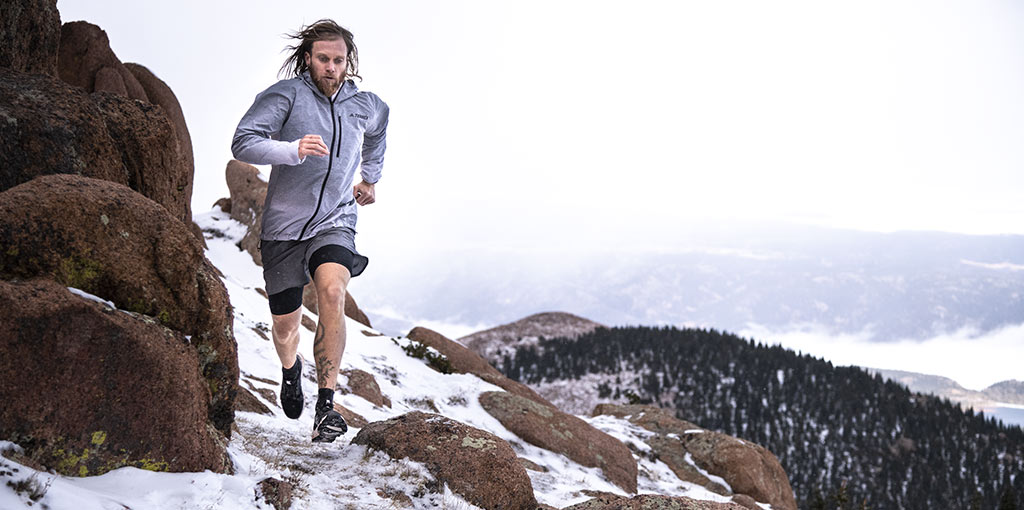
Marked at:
<point>327,65</point>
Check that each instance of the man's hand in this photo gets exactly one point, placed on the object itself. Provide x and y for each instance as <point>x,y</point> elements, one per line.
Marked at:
<point>364,193</point>
<point>312,145</point>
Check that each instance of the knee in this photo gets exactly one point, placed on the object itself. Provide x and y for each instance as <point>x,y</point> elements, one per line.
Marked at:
<point>331,297</point>
<point>285,325</point>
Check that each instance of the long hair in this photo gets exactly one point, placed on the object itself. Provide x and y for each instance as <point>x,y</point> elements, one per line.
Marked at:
<point>323,30</point>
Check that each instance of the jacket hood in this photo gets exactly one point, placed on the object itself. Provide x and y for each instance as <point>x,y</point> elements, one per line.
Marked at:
<point>348,88</point>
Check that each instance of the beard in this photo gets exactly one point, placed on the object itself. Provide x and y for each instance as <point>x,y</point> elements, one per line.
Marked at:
<point>328,87</point>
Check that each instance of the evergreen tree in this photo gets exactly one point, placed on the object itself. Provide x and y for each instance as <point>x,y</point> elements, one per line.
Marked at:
<point>1009,500</point>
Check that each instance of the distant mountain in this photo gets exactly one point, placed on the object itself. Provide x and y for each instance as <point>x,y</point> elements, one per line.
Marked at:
<point>1010,392</point>
<point>833,428</point>
<point>505,339</point>
<point>1007,392</point>
<point>906,285</point>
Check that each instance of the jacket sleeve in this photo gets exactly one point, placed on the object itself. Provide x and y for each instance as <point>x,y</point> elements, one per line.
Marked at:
<point>374,144</point>
<point>255,141</point>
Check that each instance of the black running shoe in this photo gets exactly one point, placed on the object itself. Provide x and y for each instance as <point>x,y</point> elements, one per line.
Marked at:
<point>291,391</point>
<point>328,425</point>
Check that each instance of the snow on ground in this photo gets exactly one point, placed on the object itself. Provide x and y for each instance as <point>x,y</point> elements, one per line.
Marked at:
<point>327,476</point>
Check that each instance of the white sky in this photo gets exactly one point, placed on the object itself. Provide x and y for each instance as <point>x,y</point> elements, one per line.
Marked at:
<point>518,123</point>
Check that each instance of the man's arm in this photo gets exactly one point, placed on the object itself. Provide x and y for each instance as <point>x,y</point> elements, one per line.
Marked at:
<point>255,138</point>
<point>374,144</point>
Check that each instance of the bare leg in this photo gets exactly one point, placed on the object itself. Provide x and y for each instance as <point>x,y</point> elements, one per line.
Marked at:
<point>286,336</point>
<point>331,280</point>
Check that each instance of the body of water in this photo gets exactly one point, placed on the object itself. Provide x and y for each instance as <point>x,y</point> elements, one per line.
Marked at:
<point>1011,415</point>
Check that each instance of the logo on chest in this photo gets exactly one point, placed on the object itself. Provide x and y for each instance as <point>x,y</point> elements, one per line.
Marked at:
<point>359,116</point>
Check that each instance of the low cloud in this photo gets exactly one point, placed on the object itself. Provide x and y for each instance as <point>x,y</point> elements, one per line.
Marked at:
<point>974,359</point>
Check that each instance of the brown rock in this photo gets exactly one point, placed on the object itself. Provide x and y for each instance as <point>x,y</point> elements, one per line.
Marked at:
<point>532,466</point>
<point>120,389</point>
<point>563,433</point>
<point>353,312</point>
<point>161,95</point>
<point>466,361</point>
<point>650,502</point>
<point>55,128</point>
<point>109,241</point>
<point>748,468</point>
<point>352,418</point>
<point>746,502</point>
<point>224,204</point>
<point>463,360</point>
<point>309,323</point>
<point>30,36</point>
<point>670,451</point>
<point>363,384</point>
<point>84,51</point>
<point>276,493</point>
<point>147,139</point>
<point>108,80</point>
<point>475,464</point>
<point>248,192</point>
<point>246,401</point>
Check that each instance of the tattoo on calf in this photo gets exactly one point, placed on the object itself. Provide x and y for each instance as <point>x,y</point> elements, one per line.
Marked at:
<point>324,364</point>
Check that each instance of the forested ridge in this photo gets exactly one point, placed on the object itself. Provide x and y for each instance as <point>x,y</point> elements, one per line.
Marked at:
<point>839,432</point>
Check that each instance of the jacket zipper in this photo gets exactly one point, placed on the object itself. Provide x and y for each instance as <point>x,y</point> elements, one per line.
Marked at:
<point>339,136</point>
<point>330,163</point>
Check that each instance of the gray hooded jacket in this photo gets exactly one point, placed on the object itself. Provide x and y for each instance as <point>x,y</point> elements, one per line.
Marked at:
<point>313,194</point>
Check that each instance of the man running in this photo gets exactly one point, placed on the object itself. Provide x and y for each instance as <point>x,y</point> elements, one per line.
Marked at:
<point>315,129</point>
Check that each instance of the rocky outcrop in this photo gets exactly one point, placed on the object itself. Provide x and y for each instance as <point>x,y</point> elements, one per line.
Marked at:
<point>161,95</point>
<point>50,127</point>
<point>492,343</point>
<point>87,389</point>
<point>563,433</point>
<point>107,240</point>
<point>29,36</point>
<point>462,359</point>
<point>86,61</point>
<point>466,361</point>
<point>650,502</point>
<point>475,464</point>
<point>248,191</point>
<point>748,468</point>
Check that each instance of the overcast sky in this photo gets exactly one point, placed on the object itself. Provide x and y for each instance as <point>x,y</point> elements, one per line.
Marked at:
<point>555,122</point>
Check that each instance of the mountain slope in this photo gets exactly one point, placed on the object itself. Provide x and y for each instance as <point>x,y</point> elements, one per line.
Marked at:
<point>830,426</point>
<point>496,342</point>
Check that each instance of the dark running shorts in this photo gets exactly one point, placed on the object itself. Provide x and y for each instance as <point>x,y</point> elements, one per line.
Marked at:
<point>288,265</point>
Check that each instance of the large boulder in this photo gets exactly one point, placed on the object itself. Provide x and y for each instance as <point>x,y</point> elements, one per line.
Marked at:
<point>650,502</point>
<point>465,361</point>
<point>86,60</point>
<point>161,95</point>
<point>50,127</point>
<point>107,240</point>
<point>87,389</point>
<point>748,468</point>
<point>248,192</point>
<point>563,433</point>
<point>30,36</point>
<point>475,464</point>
